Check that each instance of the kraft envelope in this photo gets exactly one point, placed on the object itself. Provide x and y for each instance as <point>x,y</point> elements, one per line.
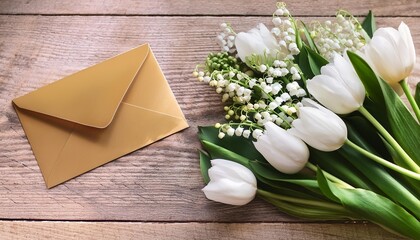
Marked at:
<point>99,114</point>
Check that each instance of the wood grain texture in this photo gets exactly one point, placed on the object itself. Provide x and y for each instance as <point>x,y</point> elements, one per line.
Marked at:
<point>204,7</point>
<point>158,183</point>
<point>153,193</point>
<point>183,231</point>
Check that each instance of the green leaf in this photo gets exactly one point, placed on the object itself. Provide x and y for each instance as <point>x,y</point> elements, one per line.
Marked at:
<point>303,63</point>
<point>239,145</point>
<point>298,38</point>
<point>368,78</point>
<point>274,177</point>
<point>369,24</point>
<point>288,189</point>
<point>393,189</point>
<point>305,211</point>
<point>404,127</point>
<point>309,38</point>
<point>373,207</point>
<point>205,164</point>
<point>315,60</point>
<point>334,163</point>
<point>216,151</point>
<point>417,94</point>
<point>386,106</point>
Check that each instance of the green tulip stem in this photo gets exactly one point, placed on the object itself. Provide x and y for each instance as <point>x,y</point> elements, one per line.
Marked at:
<point>383,162</point>
<point>315,203</point>
<point>407,159</point>
<point>410,98</point>
<point>330,177</point>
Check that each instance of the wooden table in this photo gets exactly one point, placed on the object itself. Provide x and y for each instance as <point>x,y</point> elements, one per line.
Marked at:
<point>155,192</point>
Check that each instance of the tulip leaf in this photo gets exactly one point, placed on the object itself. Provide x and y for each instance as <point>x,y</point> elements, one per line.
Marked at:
<point>308,212</point>
<point>287,189</point>
<point>308,37</point>
<point>205,165</point>
<point>405,128</point>
<point>373,207</point>
<point>393,189</point>
<point>369,80</point>
<point>216,151</point>
<point>386,106</point>
<point>239,145</point>
<point>341,168</point>
<point>271,174</point>
<point>303,63</point>
<point>417,94</point>
<point>369,24</point>
<point>315,60</point>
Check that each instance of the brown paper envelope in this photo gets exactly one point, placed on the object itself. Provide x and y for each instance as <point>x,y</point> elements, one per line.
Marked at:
<point>99,114</point>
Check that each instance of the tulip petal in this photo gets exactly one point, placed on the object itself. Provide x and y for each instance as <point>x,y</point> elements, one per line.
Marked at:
<point>285,152</point>
<point>269,40</point>
<point>385,59</point>
<point>321,130</point>
<point>235,171</point>
<point>246,45</point>
<point>350,79</point>
<point>229,192</point>
<point>408,42</point>
<point>333,94</point>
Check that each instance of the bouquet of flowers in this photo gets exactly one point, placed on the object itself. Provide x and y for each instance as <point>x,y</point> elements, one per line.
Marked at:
<point>314,120</point>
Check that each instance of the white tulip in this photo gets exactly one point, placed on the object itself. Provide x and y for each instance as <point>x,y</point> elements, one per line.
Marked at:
<point>391,53</point>
<point>259,41</point>
<point>230,183</point>
<point>319,127</point>
<point>338,87</point>
<point>283,151</point>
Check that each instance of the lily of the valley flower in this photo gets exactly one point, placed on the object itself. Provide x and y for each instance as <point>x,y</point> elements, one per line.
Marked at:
<point>391,53</point>
<point>319,127</point>
<point>283,151</point>
<point>338,87</point>
<point>230,183</point>
<point>259,41</point>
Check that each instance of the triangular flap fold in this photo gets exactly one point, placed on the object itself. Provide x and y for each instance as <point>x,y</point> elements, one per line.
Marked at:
<point>91,96</point>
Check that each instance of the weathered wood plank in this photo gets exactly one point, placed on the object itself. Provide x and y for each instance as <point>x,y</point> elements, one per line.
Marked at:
<point>204,7</point>
<point>158,183</point>
<point>173,231</point>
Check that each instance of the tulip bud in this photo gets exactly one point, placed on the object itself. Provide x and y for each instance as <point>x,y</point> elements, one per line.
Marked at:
<point>259,41</point>
<point>338,87</point>
<point>283,151</point>
<point>319,127</point>
<point>391,53</point>
<point>230,183</point>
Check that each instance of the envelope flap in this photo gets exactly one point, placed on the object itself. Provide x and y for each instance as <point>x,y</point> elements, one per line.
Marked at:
<point>91,96</point>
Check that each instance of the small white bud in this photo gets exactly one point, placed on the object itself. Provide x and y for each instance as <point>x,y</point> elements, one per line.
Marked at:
<point>276,21</point>
<point>273,105</point>
<point>263,68</point>
<point>230,131</point>
<point>257,133</point>
<point>221,135</point>
<point>279,12</point>
<point>246,133</point>
<point>239,131</point>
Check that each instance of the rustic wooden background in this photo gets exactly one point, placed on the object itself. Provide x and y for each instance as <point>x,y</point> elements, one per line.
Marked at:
<point>155,192</point>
